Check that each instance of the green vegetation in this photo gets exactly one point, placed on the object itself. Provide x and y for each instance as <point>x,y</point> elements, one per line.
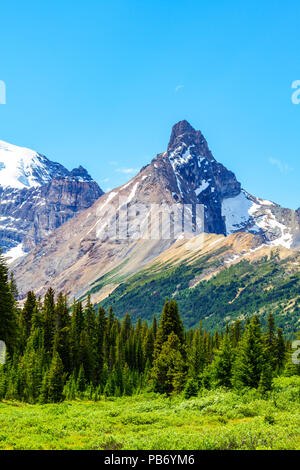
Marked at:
<point>238,292</point>
<point>217,419</point>
<point>141,386</point>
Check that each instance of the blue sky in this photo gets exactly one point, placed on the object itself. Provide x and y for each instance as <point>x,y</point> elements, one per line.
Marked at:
<point>100,83</point>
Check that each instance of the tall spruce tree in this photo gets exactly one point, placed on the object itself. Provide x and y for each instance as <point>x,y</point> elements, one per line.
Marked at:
<point>49,319</point>
<point>27,312</point>
<point>250,359</point>
<point>101,331</point>
<point>53,382</point>
<point>169,369</point>
<point>223,363</point>
<point>9,330</point>
<point>170,322</point>
<point>61,343</point>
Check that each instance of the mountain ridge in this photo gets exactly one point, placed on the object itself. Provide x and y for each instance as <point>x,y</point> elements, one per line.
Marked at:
<point>82,250</point>
<point>37,196</point>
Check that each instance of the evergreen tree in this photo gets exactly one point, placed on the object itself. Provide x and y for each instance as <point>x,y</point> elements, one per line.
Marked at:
<point>98,354</point>
<point>223,363</point>
<point>61,343</point>
<point>77,325</point>
<point>86,357</point>
<point>197,355</point>
<point>236,332</point>
<point>168,372</point>
<point>191,389</point>
<point>54,381</point>
<point>8,317</point>
<point>266,377</point>
<point>250,357</point>
<point>27,313</point>
<point>148,347</point>
<point>170,322</point>
<point>101,331</point>
<point>49,319</point>
<point>279,350</point>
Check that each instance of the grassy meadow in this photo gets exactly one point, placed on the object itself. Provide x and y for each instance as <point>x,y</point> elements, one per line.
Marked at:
<point>216,419</point>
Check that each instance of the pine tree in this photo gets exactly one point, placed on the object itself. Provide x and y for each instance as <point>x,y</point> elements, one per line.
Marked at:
<point>236,332</point>
<point>168,372</point>
<point>197,355</point>
<point>101,331</point>
<point>77,326</point>
<point>90,321</point>
<point>249,360</point>
<point>13,286</point>
<point>290,368</point>
<point>27,313</point>
<point>223,363</point>
<point>279,350</point>
<point>191,389</point>
<point>270,333</point>
<point>81,382</point>
<point>154,327</point>
<point>266,377</point>
<point>49,319</point>
<point>86,357</point>
<point>170,322</point>
<point>8,318</point>
<point>270,341</point>
<point>148,347</point>
<point>61,343</point>
<point>54,381</point>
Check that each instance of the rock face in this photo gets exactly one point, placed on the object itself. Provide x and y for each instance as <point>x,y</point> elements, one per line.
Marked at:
<point>36,197</point>
<point>199,177</point>
<point>192,175</point>
<point>96,243</point>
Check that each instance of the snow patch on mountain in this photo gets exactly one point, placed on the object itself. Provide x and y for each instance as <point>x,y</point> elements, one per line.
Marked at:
<point>203,186</point>
<point>132,193</point>
<point>242,211</point>
<point>268,222</point>
<point>14,253</point>
<point>236,212</point>
<point>21,167</point>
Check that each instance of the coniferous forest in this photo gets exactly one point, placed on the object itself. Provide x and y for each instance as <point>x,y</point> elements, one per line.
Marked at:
<point>57,351</point>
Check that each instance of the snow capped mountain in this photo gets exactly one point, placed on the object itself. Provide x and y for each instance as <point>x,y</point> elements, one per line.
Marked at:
<point>247,213</point>
<point>79,252</point>
<point>24,168</point>
<point>228,208</point>
<point>37,196</point>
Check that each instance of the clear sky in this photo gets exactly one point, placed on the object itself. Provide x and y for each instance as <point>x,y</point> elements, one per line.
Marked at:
<point>100,83</point>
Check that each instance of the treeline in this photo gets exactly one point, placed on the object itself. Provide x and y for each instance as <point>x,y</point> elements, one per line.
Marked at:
<point>57,352</point>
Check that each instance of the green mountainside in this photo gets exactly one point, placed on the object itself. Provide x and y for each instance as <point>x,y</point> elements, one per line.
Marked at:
<point>269,284</point>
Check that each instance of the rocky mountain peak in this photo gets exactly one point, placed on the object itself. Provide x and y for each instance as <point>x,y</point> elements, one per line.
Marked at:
<point>179,130</point>
<point>183,136</point>
<point>74,256</point>
<point>37,196</point>
<point>80,173</point>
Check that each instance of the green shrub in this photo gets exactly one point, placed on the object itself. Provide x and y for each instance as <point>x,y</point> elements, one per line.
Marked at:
<point>191,389</point>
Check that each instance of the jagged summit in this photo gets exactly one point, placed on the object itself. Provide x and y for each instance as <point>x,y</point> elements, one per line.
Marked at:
<point>178,130</point>
<point>75,256</point>
<point>81,173</point>
<point>23,168</point>
<point>195,176</point>
<point>185,136</point>
<point>37,196</point>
